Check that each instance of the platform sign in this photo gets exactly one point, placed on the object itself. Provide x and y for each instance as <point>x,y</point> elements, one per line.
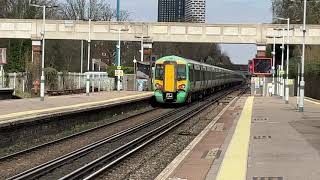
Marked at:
<point>118,72</point>
<point>3,56</point>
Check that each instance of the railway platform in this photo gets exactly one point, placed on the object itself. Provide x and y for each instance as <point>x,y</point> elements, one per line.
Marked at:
<point>254,138</point>
<point>13,112</point>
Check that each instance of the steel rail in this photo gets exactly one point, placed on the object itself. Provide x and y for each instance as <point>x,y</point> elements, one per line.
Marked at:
<point>44,168</point>
<point>138,143</point>
<point>71,136</point>
<point>48,166</point>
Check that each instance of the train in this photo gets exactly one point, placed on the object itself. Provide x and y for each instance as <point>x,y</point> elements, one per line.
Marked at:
<point>177,80</point>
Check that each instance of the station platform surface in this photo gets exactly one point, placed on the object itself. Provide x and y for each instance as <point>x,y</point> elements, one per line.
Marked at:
<point>20,110</point>
<point>254,138</point>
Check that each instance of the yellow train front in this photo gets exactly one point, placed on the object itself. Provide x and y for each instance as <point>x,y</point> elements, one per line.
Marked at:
<point>179,80</point>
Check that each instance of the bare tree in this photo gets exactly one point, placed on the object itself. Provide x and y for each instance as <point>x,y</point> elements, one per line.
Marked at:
<point>99,10</point>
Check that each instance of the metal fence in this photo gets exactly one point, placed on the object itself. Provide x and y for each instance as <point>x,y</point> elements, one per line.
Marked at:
<point>71,80</point>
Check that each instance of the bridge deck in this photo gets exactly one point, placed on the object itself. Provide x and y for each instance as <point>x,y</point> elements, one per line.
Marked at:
<point>158,32</point>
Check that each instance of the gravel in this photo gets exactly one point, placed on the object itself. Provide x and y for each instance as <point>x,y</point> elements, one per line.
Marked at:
<point>13,166</point>
<point>149,162</point>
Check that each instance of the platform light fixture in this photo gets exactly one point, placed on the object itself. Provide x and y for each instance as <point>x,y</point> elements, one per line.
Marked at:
<point>286,94</point>
<point>118,52</point>
<point>42,78</point>
<point>274,61</point>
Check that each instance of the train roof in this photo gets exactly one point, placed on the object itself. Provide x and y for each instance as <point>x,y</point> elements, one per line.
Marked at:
<point>198,63</point>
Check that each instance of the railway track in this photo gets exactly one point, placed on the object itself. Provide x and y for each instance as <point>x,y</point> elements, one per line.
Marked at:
<point>91,160</point>
<point>22,152</point>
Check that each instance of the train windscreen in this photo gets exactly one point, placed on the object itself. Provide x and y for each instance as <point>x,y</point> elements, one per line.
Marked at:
<point>159,74</point>
<point>181,72</point>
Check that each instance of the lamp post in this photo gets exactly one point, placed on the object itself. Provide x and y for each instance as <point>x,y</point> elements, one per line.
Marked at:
<point>118,53</point>
<point>88,60</point>
<point>286,96</point>
<point>281,66</point>
<point>274,61</point>
<point>118,10</point>
<point>282,61</point>
<point>135,73</point>
<point>298,85</point>
<point>42,84</point>
<point>142,48</point>
<point>302,83</point>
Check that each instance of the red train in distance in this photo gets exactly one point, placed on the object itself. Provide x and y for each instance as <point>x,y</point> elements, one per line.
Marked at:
<point>262,66</point>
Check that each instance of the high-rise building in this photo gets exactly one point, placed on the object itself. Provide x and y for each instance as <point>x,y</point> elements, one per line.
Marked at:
<point>171,10</point>
<point>182,11</point>
<point>195,11</point>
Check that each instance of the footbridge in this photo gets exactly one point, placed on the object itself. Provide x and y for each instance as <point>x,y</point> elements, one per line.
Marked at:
<point>158,32</point>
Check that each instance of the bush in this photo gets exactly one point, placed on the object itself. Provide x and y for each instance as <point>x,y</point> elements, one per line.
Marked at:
<point>51,77</point>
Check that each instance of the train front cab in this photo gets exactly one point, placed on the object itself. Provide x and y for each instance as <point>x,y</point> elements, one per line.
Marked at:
<point>170,82</point>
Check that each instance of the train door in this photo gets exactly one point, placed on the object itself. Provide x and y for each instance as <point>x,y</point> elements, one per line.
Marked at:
<point>169,76</point>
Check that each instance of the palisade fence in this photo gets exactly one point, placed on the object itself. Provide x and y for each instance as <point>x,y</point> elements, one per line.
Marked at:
<point>63,81</point>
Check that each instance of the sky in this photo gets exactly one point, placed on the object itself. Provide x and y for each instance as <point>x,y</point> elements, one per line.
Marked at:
<point>217,11</point>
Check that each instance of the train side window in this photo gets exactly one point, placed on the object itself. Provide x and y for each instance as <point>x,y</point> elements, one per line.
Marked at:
<point>198,75</point>
<point>191,73</point>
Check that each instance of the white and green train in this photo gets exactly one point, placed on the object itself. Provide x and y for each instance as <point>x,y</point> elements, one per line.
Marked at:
<point>179,80</point>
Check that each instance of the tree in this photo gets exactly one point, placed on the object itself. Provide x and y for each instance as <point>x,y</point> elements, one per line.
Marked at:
<point>99,10</point>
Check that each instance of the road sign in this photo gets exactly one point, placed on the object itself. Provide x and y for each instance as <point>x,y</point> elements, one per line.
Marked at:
<point>3,56</point>
<point>119,67</point>
<point>118,72</point>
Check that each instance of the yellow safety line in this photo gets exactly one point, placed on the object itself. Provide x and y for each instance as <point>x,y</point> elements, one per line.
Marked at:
<point>234,164</point>
<point>312,101</point>
<point>12,115</point>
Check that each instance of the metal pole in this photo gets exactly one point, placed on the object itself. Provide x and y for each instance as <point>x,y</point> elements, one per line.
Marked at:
<point>2,79</point>
<point>32,57</point>
<point>281,72</point>
<point>118,10</point>
<point>14,82</point>
<point>81,58</point>
<point>273,63</point>
<point>42,59</point>
<point>135,73</point>
<point>119,64</point>
<point>302,83</point>
<point>288,58</point>
<point>142,49</point>
<point>278,80</point>
<point>89,46</point>
<point>99,87</point>
<point>298,85</point>
<point>93,78</point>
<point>88,63</point>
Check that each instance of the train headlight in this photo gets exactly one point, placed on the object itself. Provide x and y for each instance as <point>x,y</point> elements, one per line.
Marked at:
<point>159,86</point>
<point>182,87</point>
